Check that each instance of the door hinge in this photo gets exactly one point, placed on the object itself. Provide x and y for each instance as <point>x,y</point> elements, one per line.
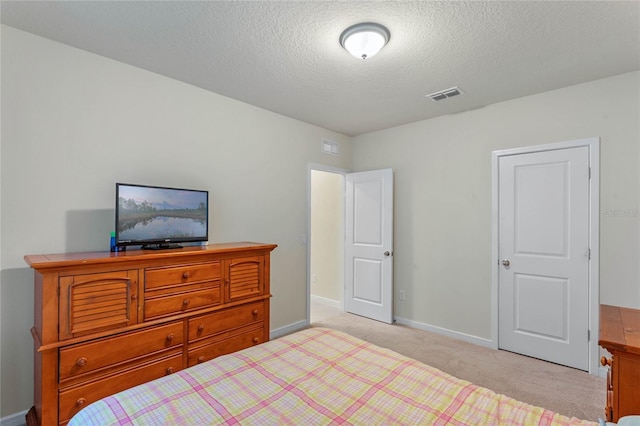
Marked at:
<point>589,253</point>
<point>589,172</point>
<point>588,335</point>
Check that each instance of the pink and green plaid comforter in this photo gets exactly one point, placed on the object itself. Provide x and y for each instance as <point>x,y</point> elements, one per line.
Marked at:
<point>314,377</point>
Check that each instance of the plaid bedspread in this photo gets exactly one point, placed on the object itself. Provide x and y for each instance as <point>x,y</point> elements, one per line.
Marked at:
<point>314,377</point>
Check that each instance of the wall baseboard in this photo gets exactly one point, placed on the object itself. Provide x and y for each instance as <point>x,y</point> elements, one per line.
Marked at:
<point>488,343</point>
<point>17,419</point>
<point>287,329</point>
<point>326,301</point>
<point>603,371</point>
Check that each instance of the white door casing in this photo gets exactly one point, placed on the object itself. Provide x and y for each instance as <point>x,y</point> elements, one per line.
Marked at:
<point>545,284</point>
<point>369,244</point>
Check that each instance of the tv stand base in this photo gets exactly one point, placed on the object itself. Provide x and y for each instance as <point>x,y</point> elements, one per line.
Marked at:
<point>160,246</point>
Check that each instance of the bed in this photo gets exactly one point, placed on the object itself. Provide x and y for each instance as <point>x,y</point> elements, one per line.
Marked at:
<point>312,377</point>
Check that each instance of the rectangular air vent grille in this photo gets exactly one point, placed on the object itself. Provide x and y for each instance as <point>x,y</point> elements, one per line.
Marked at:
<point>444,94</point>
<point>330,147</point>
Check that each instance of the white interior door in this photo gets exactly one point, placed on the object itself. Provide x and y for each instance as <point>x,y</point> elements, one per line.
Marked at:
<point>369,244</point>
<point>543,278</point>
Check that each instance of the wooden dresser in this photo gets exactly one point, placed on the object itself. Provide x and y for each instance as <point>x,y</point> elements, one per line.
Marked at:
<point>620,335</point>
<point>105,322</point>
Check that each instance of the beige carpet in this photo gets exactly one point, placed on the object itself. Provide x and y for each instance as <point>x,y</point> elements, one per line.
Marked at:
<point>561,389</point>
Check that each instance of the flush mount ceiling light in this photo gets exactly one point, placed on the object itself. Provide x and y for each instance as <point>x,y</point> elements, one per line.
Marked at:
<point>364,40</point>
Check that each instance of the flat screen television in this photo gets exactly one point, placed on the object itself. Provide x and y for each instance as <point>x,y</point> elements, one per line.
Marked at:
<point>157,217</point>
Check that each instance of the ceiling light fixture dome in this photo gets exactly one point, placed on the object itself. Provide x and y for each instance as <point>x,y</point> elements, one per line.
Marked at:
<point>364,40</point>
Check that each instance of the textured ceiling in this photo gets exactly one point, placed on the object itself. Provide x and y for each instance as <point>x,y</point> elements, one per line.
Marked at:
<point>284,56</point>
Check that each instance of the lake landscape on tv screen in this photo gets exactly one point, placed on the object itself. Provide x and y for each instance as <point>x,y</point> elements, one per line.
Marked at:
<point>146,213</point>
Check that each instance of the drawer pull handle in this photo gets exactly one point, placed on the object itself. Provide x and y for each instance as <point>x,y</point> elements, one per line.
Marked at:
<point>186,302</point>
<point>200,359</point>
<point>201,328</point>
<point>255,312</point>
<point>81,362</point>
<point>255,340</point>
<point>604,361</point>
<point>80,402</point>
<point>170,337</point>
<point>134,297</point>
<point>170,370</point>
<point>186,275</point>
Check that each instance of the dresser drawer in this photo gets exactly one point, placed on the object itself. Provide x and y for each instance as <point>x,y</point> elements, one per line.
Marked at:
<point>88,357</point>
<point>232,344</point>
<point>155,307</point>
<point>210,324</point>
<point>74,399</point>
<point>155,278</point>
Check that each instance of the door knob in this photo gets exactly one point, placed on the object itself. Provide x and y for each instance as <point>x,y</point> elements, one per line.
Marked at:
<point>387,253</point>
<point>505,262</point>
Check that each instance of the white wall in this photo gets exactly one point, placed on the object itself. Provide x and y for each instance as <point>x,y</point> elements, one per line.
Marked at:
<point>74,123</point>
<point>443,195</point>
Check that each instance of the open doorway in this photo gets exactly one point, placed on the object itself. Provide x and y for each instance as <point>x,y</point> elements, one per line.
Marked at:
<point>326,243</point>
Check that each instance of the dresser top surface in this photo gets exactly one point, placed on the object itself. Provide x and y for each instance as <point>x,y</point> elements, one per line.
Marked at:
<point>620,328</point>
<point>61,260</point>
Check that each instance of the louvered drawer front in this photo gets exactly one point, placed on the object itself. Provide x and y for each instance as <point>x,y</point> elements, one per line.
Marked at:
<point>245,277</point>
<point>88,357</point>
<point>207,325</point>
<point>184,302</point>
<point>185,274</point>
<point>74,399</point>
<point>97,302</point>
<point>226,346</point>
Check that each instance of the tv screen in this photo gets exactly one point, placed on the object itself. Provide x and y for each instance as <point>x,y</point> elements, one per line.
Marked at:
<point>158,217</point>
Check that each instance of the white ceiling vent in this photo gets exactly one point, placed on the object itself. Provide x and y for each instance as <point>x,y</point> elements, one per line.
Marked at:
<point>444,94</point>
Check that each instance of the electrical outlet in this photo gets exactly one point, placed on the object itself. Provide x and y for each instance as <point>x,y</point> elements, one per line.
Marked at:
<point>401,295</point>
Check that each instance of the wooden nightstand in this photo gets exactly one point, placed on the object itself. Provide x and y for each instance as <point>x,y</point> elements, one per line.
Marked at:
<point>620,335</point>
